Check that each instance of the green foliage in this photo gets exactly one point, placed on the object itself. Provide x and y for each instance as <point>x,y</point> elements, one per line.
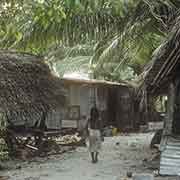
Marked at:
<point>160,103</point>
<point>113,38</point>
<point>76,64</point>
<point>146,23</point>
<point>70,59</point>
<point>3,150</point>
<point>125,32</point>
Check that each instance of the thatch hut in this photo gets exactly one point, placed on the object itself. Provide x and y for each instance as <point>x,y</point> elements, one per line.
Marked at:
<point>28,90</point>
<point>162,77</point>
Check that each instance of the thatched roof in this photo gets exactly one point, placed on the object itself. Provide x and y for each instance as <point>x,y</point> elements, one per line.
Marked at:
<point>27,87</point>
<point>165,62</point>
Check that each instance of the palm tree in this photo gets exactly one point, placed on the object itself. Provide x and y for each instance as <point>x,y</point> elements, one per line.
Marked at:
<point>119,33</point>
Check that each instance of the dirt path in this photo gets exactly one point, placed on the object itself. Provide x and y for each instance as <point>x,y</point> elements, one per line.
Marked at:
<point>119,155</point>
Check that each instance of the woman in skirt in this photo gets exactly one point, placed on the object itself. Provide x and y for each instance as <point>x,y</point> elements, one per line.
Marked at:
<point>94,134</point>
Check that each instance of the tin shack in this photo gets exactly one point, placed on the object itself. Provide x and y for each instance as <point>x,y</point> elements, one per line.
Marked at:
<point>113,100</point>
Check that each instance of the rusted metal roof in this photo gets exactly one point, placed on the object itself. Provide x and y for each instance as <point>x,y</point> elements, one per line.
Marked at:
<point>170,157</point>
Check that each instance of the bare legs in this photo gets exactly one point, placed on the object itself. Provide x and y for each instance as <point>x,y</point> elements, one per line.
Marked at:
<point>94,157</point>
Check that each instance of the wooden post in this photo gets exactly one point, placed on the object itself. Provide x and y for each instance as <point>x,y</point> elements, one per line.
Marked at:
<point>170,110</point>
<point>147,113</point>
<point>168,121</point>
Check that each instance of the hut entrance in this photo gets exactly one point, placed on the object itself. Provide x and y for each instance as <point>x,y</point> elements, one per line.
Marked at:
<point>120,108</point>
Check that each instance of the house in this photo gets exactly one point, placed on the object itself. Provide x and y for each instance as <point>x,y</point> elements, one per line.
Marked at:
<point>113,100</point>
<point>163,78</point>
<point>29,93</point>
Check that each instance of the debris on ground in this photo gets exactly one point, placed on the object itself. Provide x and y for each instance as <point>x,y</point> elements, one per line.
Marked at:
<point>143,128</point>
<point>156,173</point>
<point>153,162</point>
<point>156,139</point>
<point>33,143</point>
<point>3,167</point>
<point>129,174</point>
<point>32,178</point>
<point>4,177</point>
<point>108,131</point>
<point>69,139</point>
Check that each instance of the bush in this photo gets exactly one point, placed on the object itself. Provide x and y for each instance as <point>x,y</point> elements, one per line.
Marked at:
<point>3,145</point>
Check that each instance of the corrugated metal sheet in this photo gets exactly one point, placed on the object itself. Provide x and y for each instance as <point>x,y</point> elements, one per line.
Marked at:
<point>170,157</point>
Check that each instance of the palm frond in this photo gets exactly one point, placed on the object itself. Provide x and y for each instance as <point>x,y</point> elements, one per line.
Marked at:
<point>70,65</point>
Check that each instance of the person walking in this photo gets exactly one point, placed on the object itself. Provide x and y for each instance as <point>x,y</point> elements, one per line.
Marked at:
<point>94,134</point>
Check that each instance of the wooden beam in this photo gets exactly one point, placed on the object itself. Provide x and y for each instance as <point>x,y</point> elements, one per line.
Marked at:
<point>170,110</point>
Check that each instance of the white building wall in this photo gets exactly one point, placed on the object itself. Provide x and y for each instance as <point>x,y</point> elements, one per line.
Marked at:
<point>80,95</point>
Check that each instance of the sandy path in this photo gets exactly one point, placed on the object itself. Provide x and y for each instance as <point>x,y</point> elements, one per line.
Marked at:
<point>115,160</point>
